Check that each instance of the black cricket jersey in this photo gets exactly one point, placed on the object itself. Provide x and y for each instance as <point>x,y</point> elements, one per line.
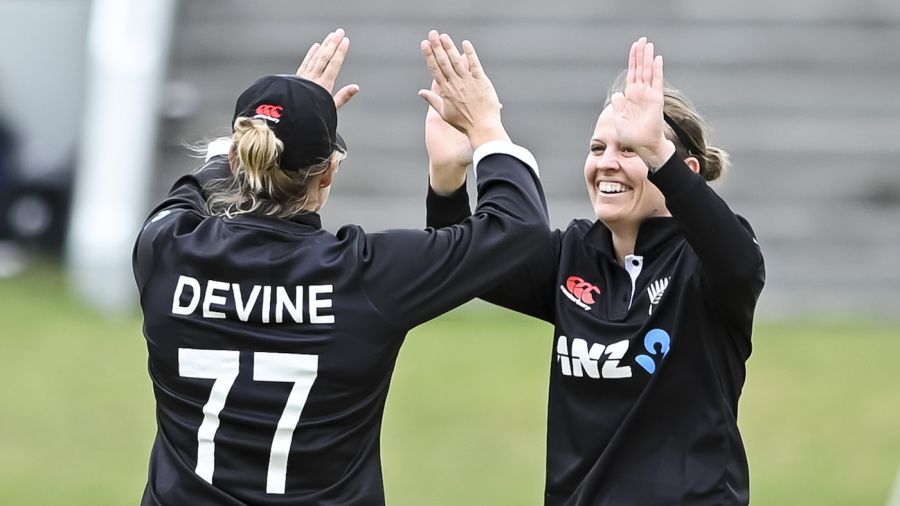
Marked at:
<point>647,358</point>
<point>271,341</point>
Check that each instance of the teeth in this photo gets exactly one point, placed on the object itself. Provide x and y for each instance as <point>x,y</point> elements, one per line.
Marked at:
<point>611,187</point>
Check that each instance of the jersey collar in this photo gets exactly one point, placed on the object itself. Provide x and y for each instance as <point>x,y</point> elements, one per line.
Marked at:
<point>309,219</point>
<point>655,234</point>
<point>312,220</point>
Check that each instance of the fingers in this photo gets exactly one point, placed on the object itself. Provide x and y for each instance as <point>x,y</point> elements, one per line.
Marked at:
<point>440,55</point>
<point>658,81</point>
<point>474,63</point>
<point>333,66</point>
<point>323,62</point>
<point>644,66</point>
<point>632,63</point>
<point>639,60</point>
<point>345,94</point>
<point>304,65</point>
<point>434,100</point>
<point>431,63</point>
<point>435,87</point>
<point>647,63</point>
<point>459,65</point>
<point>326,51</point>
<point>446,62</point>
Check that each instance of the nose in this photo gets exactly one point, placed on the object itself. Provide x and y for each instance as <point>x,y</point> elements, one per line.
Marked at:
<point>608,161</point>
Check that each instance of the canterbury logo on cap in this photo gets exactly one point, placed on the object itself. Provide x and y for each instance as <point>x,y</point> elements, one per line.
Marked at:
<point>269,112</point>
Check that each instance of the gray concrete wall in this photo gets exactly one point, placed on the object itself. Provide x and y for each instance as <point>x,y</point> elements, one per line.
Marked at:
<point>41,78</point>
<point>803,94</point>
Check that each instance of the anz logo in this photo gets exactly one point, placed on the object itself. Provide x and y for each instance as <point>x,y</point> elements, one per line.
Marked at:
<point>576,358</point>
<point>657,343</point>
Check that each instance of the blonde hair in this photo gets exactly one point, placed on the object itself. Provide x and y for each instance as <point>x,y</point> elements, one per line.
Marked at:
<point>259,184</point>
<point>713,160</point>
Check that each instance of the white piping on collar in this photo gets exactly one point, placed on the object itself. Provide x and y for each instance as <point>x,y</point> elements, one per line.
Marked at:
<point>633,264</point>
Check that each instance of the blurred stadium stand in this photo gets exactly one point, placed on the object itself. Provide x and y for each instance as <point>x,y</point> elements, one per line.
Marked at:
<point>803,94</point>
<point>41,86</point>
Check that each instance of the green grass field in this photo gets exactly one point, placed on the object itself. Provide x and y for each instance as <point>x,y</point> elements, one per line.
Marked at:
<point>465,419</point>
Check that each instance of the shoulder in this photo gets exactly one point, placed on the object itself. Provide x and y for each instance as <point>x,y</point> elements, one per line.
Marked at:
<point>168,219</point>
<point>350,232</point>
<point>385,240</point>
<point>746,224</point>
<point>577,228</point>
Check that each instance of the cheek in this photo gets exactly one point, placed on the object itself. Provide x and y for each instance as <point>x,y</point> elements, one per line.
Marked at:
<point>590,168</point>
<point>653,199</point>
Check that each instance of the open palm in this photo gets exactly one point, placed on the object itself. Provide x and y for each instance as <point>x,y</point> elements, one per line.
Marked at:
<point>639,109</point>
<point>448,148</point>
<point>323,63</point>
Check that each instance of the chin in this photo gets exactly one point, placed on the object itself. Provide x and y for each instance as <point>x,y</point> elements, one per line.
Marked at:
<point>607,217</point>
<point>606,211</point>
<point>614,216</point>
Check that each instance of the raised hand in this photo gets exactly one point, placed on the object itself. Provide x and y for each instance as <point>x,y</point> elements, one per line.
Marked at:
<point>639,110</point>
<point>449,151</point>
<point>323,62</point>
<point>465,97</point>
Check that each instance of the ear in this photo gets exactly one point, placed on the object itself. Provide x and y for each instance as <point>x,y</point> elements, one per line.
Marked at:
<point>232,155</point>
<point>693,163</point>
<point>328,175</point>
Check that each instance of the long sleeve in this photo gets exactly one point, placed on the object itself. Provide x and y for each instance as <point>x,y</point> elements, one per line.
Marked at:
<point>445,211</point>
<point>731,260</point>
<point>412,276</point>
<point>527,289</point>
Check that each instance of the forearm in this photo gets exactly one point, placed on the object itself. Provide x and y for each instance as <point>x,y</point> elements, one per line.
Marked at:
<point>655,156</point>
<point>457,263</point>
<point>445,181</point>
<point>446,210</point>
<point>730,258</point>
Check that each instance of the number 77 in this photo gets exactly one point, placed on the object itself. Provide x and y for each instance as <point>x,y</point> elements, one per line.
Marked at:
<point>223,367</point>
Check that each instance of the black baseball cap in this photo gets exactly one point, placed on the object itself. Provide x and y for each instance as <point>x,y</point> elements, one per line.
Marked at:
<point>300,112</point>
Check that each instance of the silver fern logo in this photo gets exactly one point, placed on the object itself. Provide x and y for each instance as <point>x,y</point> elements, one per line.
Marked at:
<point>655,291</point>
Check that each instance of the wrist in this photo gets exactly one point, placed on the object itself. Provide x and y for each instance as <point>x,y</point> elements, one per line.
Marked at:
<point>481,134</point>
<point>656,156</point>
<point>445,181</point>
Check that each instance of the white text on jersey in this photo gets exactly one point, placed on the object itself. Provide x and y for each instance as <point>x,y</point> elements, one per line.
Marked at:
<point>217,293</point>
<point>579,360</point>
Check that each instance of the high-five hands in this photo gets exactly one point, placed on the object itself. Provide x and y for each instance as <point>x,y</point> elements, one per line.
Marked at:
<point>323,62</point>
<point>639,110</point>
<point>449,151</point>
<point>464,97</point>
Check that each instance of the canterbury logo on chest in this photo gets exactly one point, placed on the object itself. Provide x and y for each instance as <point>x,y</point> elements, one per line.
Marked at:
<point>580,292</point>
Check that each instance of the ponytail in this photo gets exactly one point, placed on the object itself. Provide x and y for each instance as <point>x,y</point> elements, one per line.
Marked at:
<point>257,152</point>
<point>260,184</point>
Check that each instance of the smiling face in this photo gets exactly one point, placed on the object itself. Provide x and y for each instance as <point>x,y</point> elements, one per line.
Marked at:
<point>616,179</point>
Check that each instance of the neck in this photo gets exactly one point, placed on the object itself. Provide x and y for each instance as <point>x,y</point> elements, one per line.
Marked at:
<point>311,207</point>
<point>316,199</point>
<point>624,238</point>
